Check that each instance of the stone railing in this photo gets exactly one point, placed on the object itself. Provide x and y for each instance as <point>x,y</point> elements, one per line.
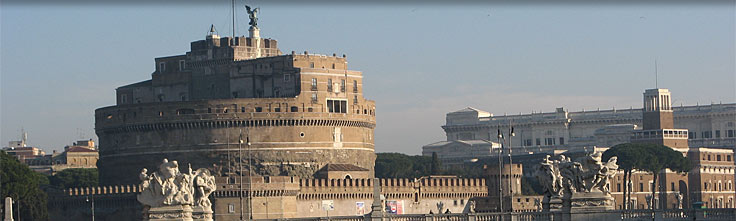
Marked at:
<point>102,190</point>
<point>673,214</point>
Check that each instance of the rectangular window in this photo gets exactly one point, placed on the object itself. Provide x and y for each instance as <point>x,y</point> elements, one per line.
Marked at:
<point>651,186</point>
<point>337,106</point>
<point>641,187</point>
<point>549,141</point>
<point>706,134</point>
<point>672,186</point>
<point>123,98</point>
<point>314,98</point>
<point>342,85</point>
<point>728,157</point>
<point>355,99</point>
<point>287,77</point>
<point>618,187</point>
<point>162,66</point>
<point>718,134</point>
<point>730,133</point>
<point>528,142</point>
<point>311,64</point>
<point>329,85</point>
<point>314,84</point>
<point>562,141</point>
<point>182,65</point>
<point>538,142</point>
<point>259,109</point>
<point>355,86</point>
<point>718,157</point>
<point>230,208</point>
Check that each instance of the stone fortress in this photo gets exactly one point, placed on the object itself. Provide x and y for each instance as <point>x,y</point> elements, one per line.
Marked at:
<point>233,98</point>
<point>285,135</point>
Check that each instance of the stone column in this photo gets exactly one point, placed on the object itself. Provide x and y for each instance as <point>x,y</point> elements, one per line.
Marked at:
<point>8,209</point>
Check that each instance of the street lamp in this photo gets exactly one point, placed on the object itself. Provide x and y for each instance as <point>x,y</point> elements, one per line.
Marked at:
<point>511,190</point>
<point>240,171</point>
<point>93,206</point>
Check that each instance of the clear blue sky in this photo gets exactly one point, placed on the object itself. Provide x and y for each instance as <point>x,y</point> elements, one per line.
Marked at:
<point>59,63</point>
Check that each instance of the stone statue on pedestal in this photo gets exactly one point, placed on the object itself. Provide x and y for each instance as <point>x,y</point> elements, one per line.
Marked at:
<point>577,188</point>
<point>168,194</point>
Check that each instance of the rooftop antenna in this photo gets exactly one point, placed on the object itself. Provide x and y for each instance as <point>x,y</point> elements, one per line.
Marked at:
<point>656,75</point>
<point>232,7</point>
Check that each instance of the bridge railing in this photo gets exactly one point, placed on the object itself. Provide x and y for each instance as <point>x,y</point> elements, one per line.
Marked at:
<point>629,215</point>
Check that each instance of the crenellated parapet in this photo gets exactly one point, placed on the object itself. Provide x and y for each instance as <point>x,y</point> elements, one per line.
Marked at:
<point>392,188</point>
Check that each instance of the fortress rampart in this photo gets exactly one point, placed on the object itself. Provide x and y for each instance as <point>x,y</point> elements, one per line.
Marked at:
<point>287,197</point>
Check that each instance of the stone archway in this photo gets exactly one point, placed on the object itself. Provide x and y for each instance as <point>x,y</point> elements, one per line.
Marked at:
<point>685,196</point>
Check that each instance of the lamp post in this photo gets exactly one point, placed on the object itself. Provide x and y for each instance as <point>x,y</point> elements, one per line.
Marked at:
<point>250,176</point>
<point>93,206</point>
<point>511,190</point>
<point>500,173</point>
<point>240,171</point>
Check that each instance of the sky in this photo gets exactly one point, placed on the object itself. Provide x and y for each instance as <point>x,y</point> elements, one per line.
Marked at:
<point>58,63</point>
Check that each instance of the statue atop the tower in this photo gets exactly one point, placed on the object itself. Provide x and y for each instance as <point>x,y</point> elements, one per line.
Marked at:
<point>253,15</point>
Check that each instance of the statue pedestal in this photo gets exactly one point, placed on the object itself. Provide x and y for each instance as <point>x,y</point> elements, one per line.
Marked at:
<point>201,213</point>
<point>168,213</point>
<point>592,206</point>
<point>582,206</point>
<point>590,202</point>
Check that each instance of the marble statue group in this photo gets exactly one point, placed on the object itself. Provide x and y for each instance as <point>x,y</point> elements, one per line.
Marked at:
<point>565,177</point>
<point>168,187</point>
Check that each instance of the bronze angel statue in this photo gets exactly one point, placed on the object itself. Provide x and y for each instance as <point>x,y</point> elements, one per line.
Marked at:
<point>253,15</point>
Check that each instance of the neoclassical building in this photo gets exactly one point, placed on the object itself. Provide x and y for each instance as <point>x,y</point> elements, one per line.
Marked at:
<point>711,126</point>
<point>704,134</point>
<point>238,105</point>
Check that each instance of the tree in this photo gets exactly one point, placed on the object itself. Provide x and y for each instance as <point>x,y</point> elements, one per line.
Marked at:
<point>660,157</point>
<point>629,157</point>
<point>23,185</point>
<point>75,177</point>
<point>397,165</point>
<point>652,158</point>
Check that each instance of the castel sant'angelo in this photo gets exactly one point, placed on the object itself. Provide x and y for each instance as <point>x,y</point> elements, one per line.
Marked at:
<point>233,98</point>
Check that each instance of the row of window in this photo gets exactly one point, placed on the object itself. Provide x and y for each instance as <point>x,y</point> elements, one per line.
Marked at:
<point>717,158</point>
<point>547,141</point>
<point>330,87</point>
<point>162,66</point>
<point>707,186</point>
<point>709,134</point>
<point>333,106</point>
